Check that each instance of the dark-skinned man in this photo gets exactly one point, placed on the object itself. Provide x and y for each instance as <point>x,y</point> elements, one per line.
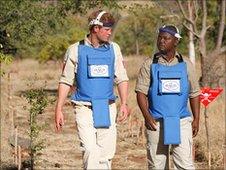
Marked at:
<point>164,85</point>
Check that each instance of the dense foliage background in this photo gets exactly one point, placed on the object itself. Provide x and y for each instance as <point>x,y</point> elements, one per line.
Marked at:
<point>43,29</point>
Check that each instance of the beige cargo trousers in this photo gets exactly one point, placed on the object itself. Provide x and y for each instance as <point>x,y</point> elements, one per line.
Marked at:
<point>98,144</point>
<point>158,153</point>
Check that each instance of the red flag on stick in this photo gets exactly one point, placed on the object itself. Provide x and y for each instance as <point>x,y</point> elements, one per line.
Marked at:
<point>208,95</point>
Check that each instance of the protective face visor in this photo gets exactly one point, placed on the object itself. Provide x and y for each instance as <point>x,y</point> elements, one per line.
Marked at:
<point>97,21</point>
<point>173,33</point>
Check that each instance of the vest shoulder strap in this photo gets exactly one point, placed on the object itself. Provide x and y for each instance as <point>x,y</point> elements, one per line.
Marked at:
<point>82,42</point>
<point>180,58</point>
<point>156,58</point>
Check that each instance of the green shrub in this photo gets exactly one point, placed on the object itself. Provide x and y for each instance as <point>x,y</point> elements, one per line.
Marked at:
<point>37,98</point>
<point>54,49</point>
<point>4,58</point>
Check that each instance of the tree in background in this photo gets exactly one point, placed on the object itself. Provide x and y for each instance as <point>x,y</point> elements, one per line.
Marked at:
<point>6,49</point>
<point>44,29</point>
<point>82,6</point>
<point>35,24</point>
<point>136,32</point>
<point>191,8</point>
<point>137,28</point>
<point>28,22</point>
<point>208,27</point>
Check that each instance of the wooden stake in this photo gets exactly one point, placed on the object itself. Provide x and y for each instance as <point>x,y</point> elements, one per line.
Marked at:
<point>15,147</point>
<point>11,110</point>
<point>208,139</point>
<point>19,157</point>
<point>130,126</point>
<point>169,158</point>
<point>224,155</point>
<point>193,152</point>
<point>12,113</point>
<point>9,88</point>
<point>143,134</point>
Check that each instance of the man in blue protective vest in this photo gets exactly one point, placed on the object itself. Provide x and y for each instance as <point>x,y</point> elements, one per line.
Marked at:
<point>165,83</point>
<point>93,65</point>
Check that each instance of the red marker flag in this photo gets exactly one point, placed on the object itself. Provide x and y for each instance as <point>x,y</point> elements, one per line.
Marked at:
<point>208,95</point>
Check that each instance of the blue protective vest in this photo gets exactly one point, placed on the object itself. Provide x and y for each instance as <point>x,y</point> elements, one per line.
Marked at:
<point>95,81</point>
<point>168,96</point>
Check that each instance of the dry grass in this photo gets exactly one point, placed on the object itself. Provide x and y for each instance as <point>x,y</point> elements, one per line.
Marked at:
<point>62,150</point>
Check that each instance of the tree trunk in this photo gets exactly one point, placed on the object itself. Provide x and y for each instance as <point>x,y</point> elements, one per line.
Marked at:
<point>137,47</point>
<point>191,36</point>
<point>210,71</point>
<point>136,35</point>
<point>204,79</point>
<point>204,62</point>
<point>191,48</point>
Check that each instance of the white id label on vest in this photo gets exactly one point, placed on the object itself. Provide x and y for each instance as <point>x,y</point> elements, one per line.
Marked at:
<point>99,71</point>
<point>170,85</point>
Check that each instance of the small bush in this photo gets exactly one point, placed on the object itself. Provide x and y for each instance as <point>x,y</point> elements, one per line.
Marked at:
<point>4,58</point>
<point>199,152</point>
<point>54,49</point>
<point>37,99</point>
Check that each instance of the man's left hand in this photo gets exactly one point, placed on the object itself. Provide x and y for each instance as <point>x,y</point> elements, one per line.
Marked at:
<point>195,127</point>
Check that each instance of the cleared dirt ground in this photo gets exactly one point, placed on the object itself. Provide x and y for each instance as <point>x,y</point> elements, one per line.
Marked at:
<point>62,150</point>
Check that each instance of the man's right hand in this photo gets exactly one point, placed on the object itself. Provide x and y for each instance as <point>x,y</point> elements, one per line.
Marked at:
<point>59,120</point>
<point>142,101</point>
<point>151,124</point>
<point>63,91</point>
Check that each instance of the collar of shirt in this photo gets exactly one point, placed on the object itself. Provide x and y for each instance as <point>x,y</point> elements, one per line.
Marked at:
<point>89,43</point>
<point>173,61</point>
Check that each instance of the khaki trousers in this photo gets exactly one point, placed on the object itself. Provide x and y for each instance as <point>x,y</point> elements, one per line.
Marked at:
<point>98,144</point>
<point>158,153</point>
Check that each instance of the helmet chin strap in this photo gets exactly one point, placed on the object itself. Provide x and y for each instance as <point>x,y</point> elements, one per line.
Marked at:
<point>96,21</point>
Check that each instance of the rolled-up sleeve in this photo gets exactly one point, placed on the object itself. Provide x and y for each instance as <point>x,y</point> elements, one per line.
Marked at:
<point>120,71</point>
<point>193,81</point>
<point>70,65</point>
<point>144,79</point>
